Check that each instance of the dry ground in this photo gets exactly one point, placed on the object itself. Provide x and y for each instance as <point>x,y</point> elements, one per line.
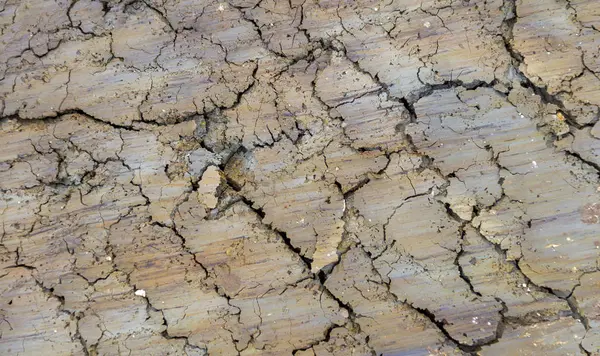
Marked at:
<point>301,177</point>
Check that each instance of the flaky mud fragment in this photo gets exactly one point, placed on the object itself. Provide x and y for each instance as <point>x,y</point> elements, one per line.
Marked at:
<point>585,298</point>
<point>296,197</point>
<point>490,274</point>
<point>379,313</point>
<point>559,46</point>
<point>27,306</point>
<point>561,337</point>
<point>590,213</point>
<point>541,182</point>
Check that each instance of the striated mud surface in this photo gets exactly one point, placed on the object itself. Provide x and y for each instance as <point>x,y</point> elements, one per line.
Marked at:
<point>301,177</point>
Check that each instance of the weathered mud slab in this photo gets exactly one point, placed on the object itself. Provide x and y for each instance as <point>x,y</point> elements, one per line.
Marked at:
<point>261,177</point>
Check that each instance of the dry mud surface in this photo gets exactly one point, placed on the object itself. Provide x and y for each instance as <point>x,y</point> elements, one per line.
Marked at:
<point>301,177</point>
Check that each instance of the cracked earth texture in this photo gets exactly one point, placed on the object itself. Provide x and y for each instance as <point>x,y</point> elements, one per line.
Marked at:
<point>301,177</point>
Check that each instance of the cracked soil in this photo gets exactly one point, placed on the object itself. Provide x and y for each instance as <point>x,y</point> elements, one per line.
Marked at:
<point>300,177</point>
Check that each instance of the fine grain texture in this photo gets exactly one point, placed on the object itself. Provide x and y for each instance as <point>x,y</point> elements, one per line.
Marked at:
<point>302,177</point>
